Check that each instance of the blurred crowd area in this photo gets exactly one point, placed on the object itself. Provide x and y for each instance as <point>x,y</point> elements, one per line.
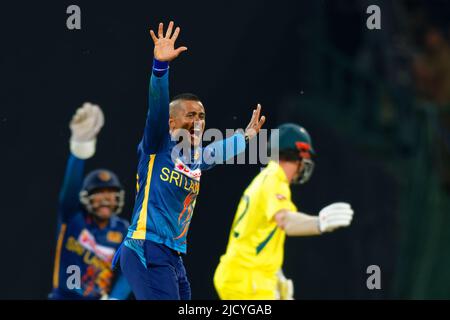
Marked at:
<point>403,71</point>
<point>431,80</point>
<point>404,66</point>
<point>386,92</point>
<point>411,57</point>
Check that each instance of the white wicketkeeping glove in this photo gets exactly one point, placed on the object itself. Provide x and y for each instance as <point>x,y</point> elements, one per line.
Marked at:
<point>335,216</point>
<point>285,287</point>
<point>85,125</point>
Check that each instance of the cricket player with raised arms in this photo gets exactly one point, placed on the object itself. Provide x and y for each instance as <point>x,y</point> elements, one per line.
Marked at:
<point>89,229</point>
<point>168,180</point>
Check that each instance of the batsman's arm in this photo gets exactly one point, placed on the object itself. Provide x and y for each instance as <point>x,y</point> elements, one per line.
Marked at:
<point>297,224</point>
<point>336,215</point>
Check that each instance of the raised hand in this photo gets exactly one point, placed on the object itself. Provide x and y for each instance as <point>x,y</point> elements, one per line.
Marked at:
<point>165,45</point>
<point>255,123</point>
<point>86,123</point>
<point>85,126</point>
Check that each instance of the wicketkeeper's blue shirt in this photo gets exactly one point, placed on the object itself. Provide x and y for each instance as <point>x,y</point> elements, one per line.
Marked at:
<point>83,249</point>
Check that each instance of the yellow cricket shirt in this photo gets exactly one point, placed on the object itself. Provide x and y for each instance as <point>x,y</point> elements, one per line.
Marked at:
<point>255,248</point>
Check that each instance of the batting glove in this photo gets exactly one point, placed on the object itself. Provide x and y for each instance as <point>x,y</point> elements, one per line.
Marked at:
<point>285,287</point>
<point>335,216</point>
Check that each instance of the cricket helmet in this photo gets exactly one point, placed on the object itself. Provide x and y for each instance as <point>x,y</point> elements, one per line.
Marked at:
<point>100,179</point>
<point>294,143</point>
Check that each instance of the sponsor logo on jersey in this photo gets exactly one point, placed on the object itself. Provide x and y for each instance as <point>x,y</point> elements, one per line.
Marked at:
<point>184,169</point>
<point>87,240</point>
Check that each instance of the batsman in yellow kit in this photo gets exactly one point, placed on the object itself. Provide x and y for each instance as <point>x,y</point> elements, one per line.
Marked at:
<point>251,268</point>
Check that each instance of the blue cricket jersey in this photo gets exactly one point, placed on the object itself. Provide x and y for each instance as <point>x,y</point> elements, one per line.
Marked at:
<point>83,244</point>
<point>167,187</point>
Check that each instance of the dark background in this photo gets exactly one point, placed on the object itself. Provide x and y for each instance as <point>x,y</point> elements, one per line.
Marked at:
<point>240,53</point>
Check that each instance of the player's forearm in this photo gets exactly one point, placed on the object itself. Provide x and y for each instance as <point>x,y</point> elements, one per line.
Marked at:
<point>73,179</point>
<point>221,151</point>
<point>300,224</point>
<point>156,125</point>
<point>232,146</point>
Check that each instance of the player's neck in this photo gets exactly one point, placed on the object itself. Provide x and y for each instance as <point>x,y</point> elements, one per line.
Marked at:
<point>101,223</point>
<point>289,169</point>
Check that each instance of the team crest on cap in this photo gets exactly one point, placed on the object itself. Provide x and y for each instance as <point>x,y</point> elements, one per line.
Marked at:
<point>104,176</point>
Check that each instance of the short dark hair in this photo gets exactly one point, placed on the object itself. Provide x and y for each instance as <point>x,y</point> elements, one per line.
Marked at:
<point>175,105</point>
<point>186,96</point>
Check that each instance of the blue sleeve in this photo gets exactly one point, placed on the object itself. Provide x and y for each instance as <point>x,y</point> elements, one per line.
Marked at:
<point>157,123</point>
<point>121,289</point>
<point>69,201</point>
<point>221,151</point>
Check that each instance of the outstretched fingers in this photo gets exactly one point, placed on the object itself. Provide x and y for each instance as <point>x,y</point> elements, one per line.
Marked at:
<point>169,30</point>
<point>261,122</point>
<point>252,120</point>
<point>152,34</point>
<point>160,30</point>
<point>180,50</point>
<point>175,34</point>
<point>258,111</point>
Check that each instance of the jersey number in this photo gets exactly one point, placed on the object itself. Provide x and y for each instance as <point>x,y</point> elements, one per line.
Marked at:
<point>246,200</point>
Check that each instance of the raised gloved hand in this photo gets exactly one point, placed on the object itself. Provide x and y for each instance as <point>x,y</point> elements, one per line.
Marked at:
<point>85,126</point>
